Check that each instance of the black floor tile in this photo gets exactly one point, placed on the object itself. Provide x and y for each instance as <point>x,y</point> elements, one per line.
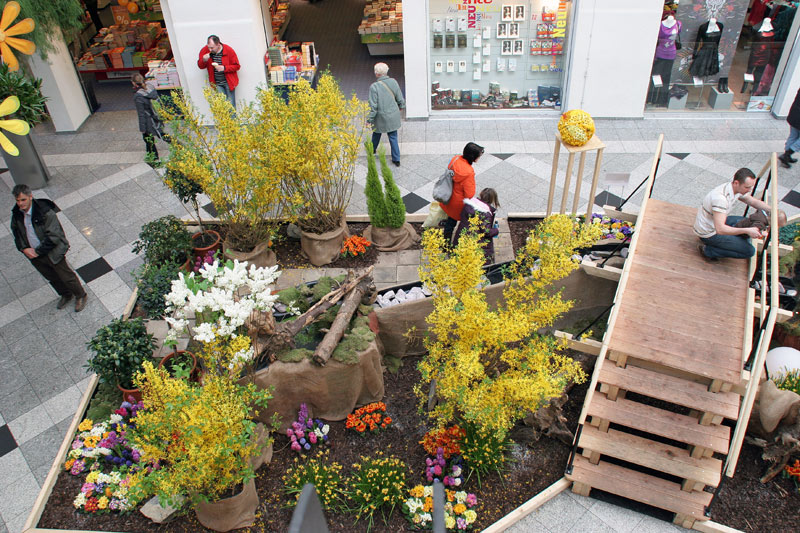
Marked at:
<point>502,156</point>
<point>95,269</point>
<point>607,198</point>
<point>210,209</point>
<point>7,442</point>
<point>792,198</point>
<point>414,202</point>
<point>680,156</point>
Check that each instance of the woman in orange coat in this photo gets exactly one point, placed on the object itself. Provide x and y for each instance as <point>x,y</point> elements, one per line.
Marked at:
<point>463,186</point>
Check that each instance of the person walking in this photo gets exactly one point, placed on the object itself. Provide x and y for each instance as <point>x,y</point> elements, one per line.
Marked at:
<point>793,142</point>
<point>149,124</point>
<point>38,234</point>
<point>385,102</point>
<point>222,64</point>
<point>463,186</point>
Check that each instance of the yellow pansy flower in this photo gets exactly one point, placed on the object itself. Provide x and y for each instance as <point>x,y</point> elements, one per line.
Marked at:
<point>7,39</point>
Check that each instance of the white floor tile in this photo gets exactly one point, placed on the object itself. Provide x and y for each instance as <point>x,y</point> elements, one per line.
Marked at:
<point>63,405</point>
<point>32,423</point>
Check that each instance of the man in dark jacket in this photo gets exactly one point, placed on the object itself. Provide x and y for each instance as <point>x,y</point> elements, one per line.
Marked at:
<point>38,234</point>
<point>793,142</point>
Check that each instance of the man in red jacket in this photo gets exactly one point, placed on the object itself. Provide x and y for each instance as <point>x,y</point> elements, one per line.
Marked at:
<point>222,64</point>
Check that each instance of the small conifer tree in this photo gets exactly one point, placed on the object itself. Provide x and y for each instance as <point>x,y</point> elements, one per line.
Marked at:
<point>384,202</point>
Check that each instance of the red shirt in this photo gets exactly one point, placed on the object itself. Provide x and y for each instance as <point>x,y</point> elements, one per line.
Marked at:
<point>229,61</point>
<point>463,186</point>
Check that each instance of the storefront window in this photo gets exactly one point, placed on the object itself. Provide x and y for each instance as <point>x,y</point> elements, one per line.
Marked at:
<point>495,55</point>
<point>721,55</point>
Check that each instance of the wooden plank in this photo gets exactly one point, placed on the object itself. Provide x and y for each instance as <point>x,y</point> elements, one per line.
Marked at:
<point>671,389</point>
<point>666,264</point>
<point>714,527</point>
<point>652,454</point>
<point>782,316</point>
<point>640,487</point>
<point>690,257</point>
<point>734,316</point>
<point>613,212</point>
<point>660,422</point>
<point>700,295</point>
<point>719,289</point>
<point>688,324</point>
<point>647,352</point>
<point>590,346</point>
<point>528,507</point>
<point>607,272</point>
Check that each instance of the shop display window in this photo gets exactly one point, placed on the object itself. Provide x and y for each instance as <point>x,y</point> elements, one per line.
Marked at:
<point>498,55</point>
<point>721,55</point>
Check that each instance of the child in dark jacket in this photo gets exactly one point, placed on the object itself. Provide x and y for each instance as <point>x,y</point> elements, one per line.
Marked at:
<point>484,206</point>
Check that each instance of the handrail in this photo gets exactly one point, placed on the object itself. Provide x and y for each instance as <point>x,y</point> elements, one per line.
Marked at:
<point>617,298</point>
<point>626,200</point>
<point>757,357</point>
<point>758,180</point>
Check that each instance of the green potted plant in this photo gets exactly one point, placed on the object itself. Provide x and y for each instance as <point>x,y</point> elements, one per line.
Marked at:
<point>27,167</point>
<point>388,229</point>
<point>165,240</point>
<point>119,349</point>
<point>154,281</point>
<point>187,189</point>
<point>212,449</point>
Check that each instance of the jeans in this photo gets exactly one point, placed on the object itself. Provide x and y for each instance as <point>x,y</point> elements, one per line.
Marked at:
<point>793,142</point>
<point>737,246</point>
<point>229,94</point>
<point>376,139</point>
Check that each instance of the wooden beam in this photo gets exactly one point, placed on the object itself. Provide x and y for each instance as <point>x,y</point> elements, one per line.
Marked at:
<point>528,507</point>
<point>607,272</point>
<point>782,316</point>
<point>577,197</point>
<point>613,212</point>
<point>713,527</point>
<point>590,346</point>
<point>567,178</point>
<point>553,176</point>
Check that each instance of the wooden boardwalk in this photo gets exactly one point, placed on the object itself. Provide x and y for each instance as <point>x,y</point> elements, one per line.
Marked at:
<point>674,349</point>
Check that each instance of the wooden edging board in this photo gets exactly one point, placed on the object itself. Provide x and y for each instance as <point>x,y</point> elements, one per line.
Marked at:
<point>55,469</point>
<point>708,526</point>
<point>528,507</point>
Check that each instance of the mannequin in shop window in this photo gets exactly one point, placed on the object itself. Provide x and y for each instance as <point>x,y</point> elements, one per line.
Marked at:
<point>705,58</point>
<point>761,52</point>
<point>666,51</point>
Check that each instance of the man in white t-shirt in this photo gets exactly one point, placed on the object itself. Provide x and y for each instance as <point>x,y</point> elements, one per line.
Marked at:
<point>715,226</point>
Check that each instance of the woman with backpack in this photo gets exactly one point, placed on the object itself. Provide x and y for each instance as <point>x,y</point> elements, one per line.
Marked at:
<point>463,186</point>
<point>149,123</point>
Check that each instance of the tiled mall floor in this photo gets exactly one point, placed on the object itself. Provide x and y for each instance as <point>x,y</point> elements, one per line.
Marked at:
<point>106,193</point>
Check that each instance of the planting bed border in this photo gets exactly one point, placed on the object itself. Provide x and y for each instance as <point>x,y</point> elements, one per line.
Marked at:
<point>501,525</point>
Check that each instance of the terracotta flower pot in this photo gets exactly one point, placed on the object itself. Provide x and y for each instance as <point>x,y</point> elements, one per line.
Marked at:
<point>230,513</point>
<point>194,373</point>
<point>126,393</point>
<point>201,251</point>
<point>322,248</point>
<point>261,256</point>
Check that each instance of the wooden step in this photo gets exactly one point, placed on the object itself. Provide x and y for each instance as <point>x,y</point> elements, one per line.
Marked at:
<point>640,487</point>
<point>652,454</point>
<point>670,389</point>
<point>660,422</point>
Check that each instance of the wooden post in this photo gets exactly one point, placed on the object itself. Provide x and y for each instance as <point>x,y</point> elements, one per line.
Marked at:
<point>553,175</point>
<point>577,198</point>
<point>567,179</point>
<point>595,179</point>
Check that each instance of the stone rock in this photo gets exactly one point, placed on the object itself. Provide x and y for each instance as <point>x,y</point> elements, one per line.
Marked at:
<point>293,231</point>
<point>388,295</point>
<point>416,290</point>
<point>400,295</point>
<point>624,252</point>
<point>279,307</point>
<point>157,513</point>
<point>426,291</point>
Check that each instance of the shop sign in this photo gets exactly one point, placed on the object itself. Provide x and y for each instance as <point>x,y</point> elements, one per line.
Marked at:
<point>760,104</point>
<point>121,14</point>
<point>561,20</point>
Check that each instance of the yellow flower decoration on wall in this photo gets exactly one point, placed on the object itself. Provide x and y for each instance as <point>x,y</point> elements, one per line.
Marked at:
<point>14,125</point>
<point>7,39</point>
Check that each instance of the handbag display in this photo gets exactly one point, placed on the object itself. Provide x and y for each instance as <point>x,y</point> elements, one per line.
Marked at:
<point>443,188</point>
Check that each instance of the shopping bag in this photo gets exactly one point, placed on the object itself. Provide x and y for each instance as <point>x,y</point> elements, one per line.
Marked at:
<point>435,215</point>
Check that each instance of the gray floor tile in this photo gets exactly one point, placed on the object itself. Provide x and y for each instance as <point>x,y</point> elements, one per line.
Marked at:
<point>41,449</point>
<point>52,383</point>
<point>18,402</point>
<point>17,329</point>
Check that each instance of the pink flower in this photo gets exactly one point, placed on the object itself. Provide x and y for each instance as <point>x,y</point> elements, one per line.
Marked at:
<point>312,437</point>
<point>296,446</point>
<point>471,500</point>
<point>437,470</point>
<point>87,488</point>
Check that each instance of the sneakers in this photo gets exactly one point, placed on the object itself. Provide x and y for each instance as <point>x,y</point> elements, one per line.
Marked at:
<point>62,303</point>
<point>786,159</point>
<point>702,249</point>
<point>396,163</point>
<point>80,303</point>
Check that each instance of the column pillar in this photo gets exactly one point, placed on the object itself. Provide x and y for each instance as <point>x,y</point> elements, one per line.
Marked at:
<point>238,23</point>
<point>415,59</point>
<point>66,102</point>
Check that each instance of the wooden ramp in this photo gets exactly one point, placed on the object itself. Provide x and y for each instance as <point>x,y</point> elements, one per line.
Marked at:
<point>674,349</point>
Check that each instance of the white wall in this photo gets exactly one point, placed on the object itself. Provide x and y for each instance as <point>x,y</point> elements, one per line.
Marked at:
<point>415,58</point>
<point>790,82</point>
<point>613,45</point>
<point>238,23</point>
<point>66,102</point>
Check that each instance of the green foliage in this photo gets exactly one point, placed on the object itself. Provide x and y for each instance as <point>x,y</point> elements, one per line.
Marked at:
<point>384,202</point>
<point>154,282</point>
<point>185,189</point>
<point>119,349</point>
<point>789,233</point>
<point>358,337</point>
<point>164,240</point>
<point>324,285</point>
<point>393,364</point>
<point>326,478</point>
<point>395,208</point>
<point>104,402</point>
<point>377,484</point>
<point>295,355</point>
<point>29,91</point>
<point>294,297</point>
<point>789,381</point>
<point>483,451</point>
<point>51,18</point>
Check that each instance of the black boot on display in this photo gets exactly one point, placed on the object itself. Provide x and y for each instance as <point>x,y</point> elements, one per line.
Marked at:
<point>785,159</point>
<point>721,85</point>
<point>724,82</point>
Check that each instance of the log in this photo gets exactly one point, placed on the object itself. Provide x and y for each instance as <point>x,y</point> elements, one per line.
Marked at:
<point>336,331</point>
<point>286,331</point>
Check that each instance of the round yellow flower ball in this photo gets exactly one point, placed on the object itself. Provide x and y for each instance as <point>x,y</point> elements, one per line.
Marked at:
<point>576,127</point>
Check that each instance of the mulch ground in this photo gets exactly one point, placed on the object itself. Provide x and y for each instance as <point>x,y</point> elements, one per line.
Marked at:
<point>520,228</point>
<point>530,470</point>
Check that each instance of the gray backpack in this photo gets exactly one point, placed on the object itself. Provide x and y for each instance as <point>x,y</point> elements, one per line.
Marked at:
<point>443,188</point>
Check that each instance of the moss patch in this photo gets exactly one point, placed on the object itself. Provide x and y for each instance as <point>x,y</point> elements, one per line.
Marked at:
<point>324,285</point>
<point>293,296</point>
<point>392,363</point>
<point>295,355</point>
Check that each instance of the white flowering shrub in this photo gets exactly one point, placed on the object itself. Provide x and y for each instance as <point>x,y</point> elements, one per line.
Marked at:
<point>218,300</point>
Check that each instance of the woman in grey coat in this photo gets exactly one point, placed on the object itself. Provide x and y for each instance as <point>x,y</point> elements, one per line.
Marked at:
<point>385,102</point>
<point>149,123</point>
